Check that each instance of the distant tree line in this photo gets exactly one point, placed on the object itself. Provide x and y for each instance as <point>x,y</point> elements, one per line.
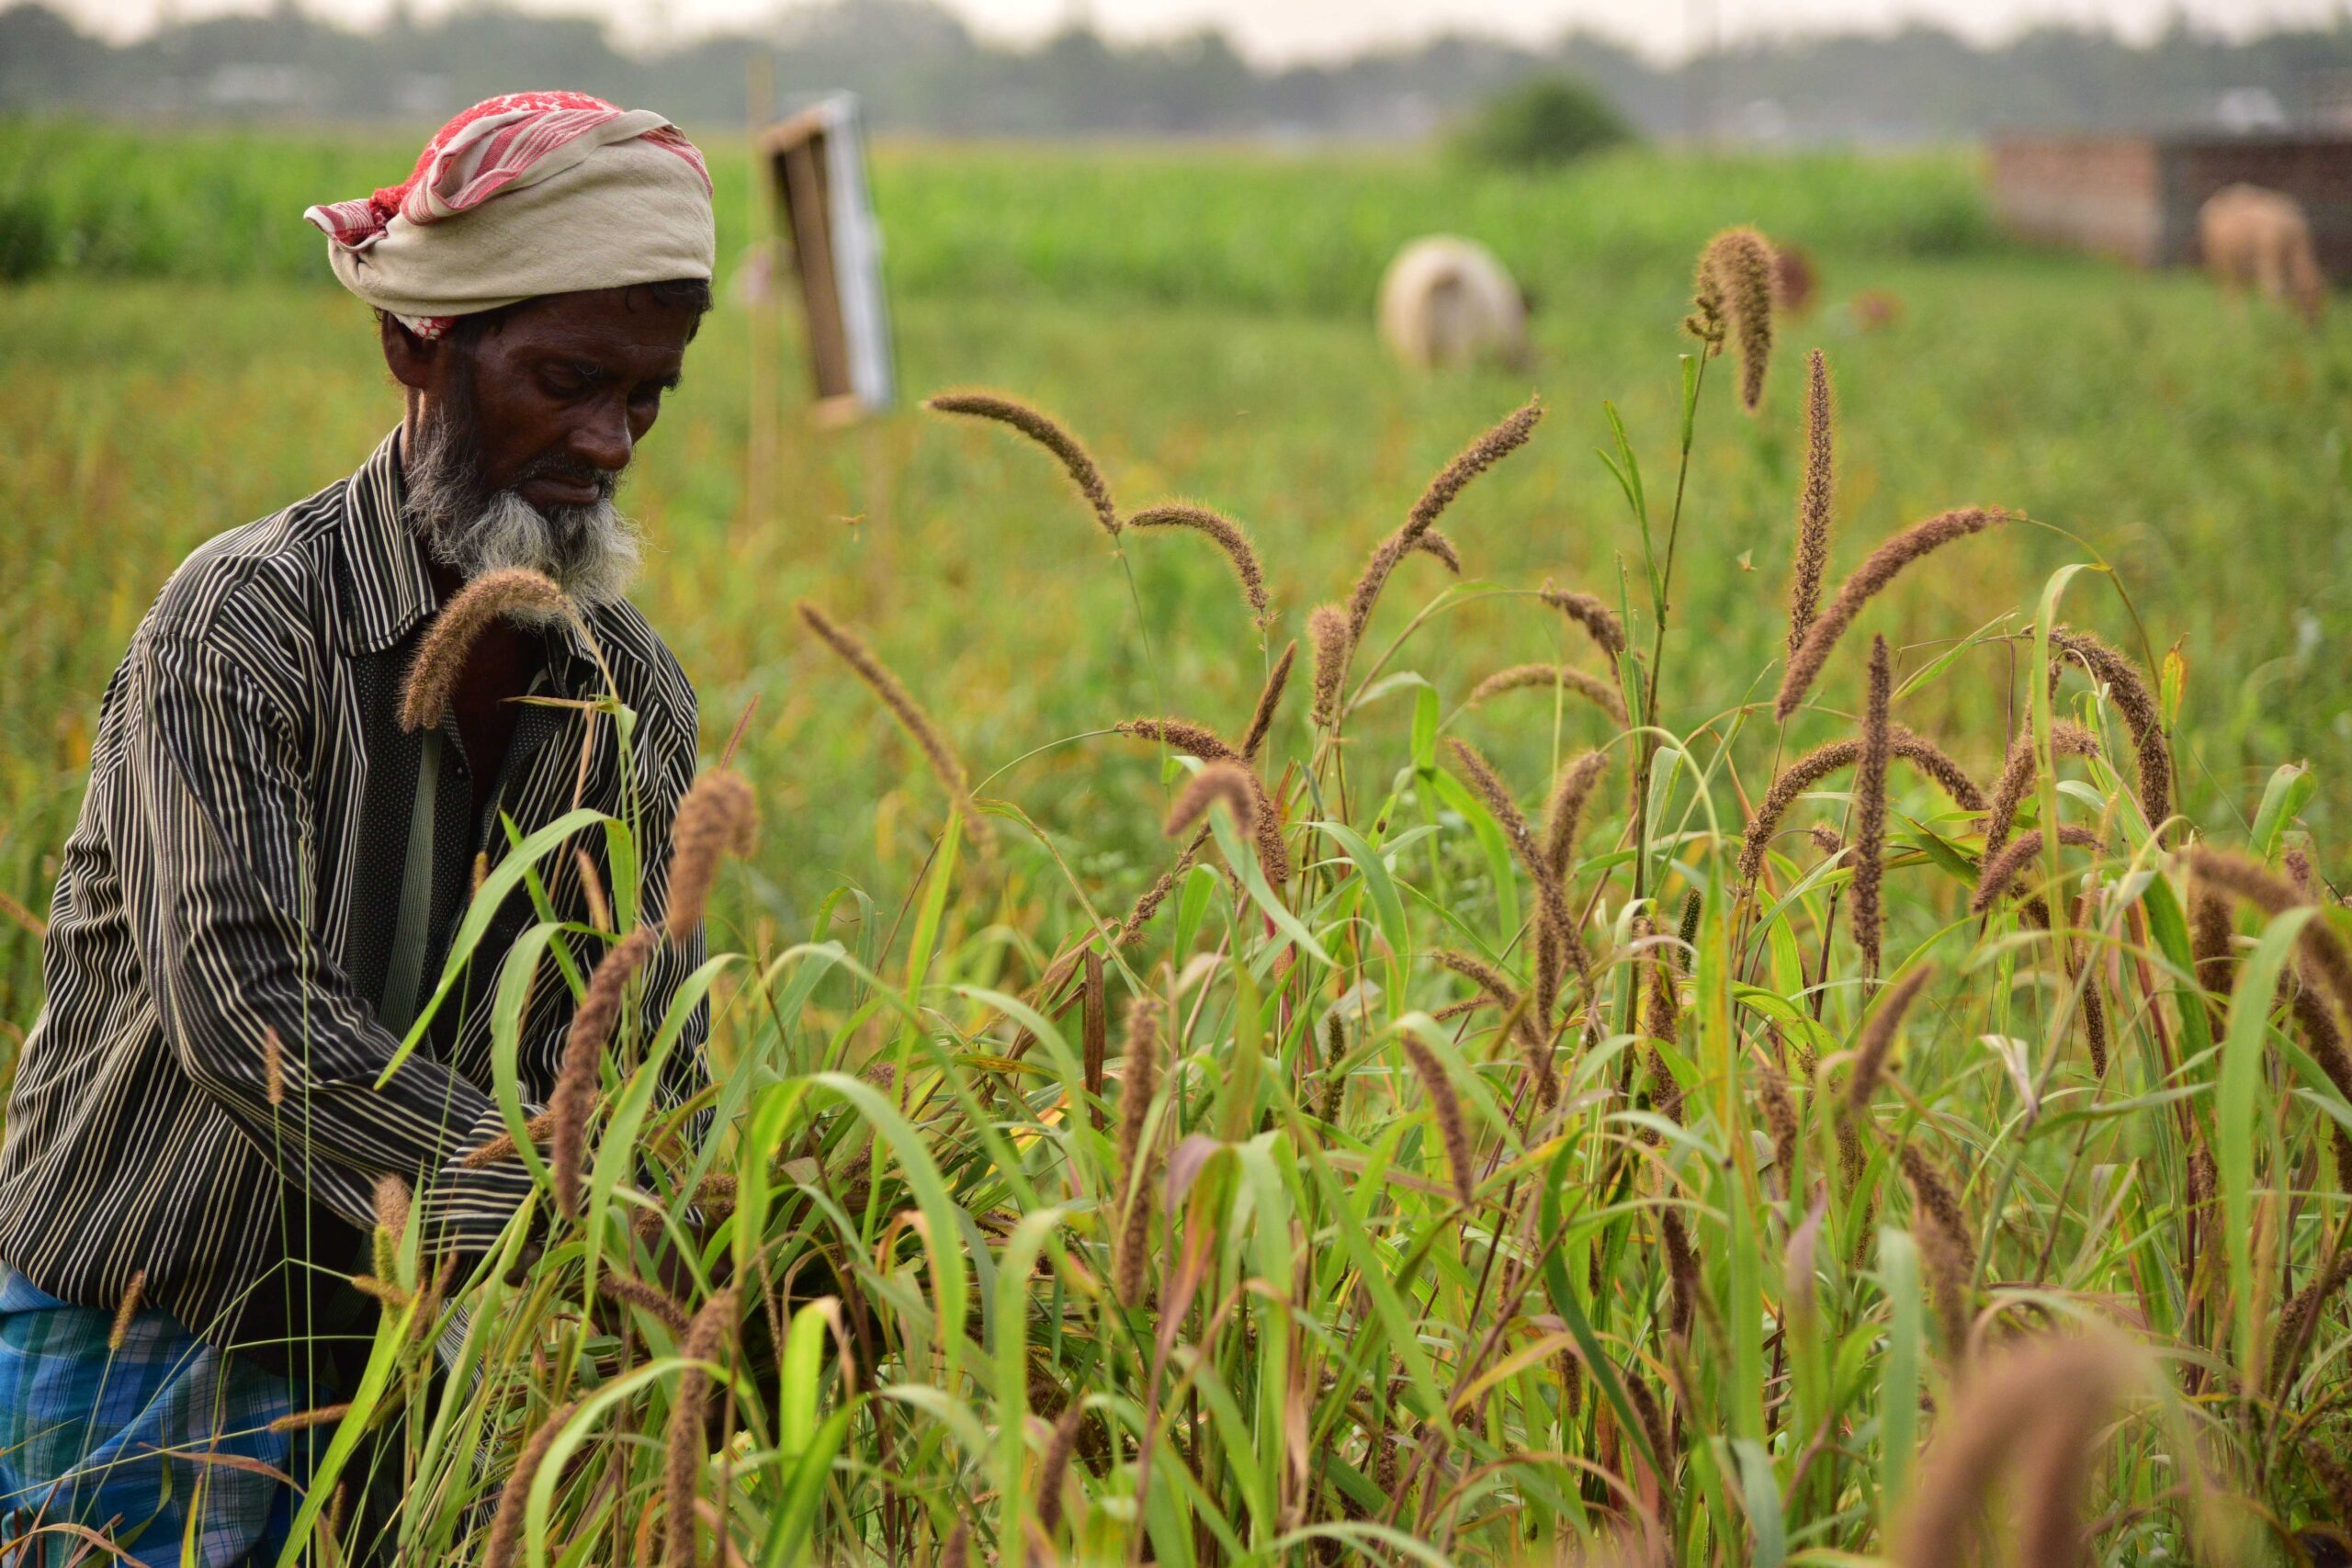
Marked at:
<point>920,69</point>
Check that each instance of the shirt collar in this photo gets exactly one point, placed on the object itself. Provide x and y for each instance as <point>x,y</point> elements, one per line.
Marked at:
<point>390,590</point>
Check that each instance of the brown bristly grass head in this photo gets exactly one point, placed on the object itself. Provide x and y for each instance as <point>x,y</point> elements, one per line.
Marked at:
<point>1599,621</point>
<point>1219,780</point>
<point>1228,537</point>
<point>2300,1317</point>
<point>126,1311</point>
<point>944,763</point>
<point>1945,1247</point>
<point>514,594</point>
<point>2021,771</point>
<point>1822,761</point>
<point>506,1523</point>
<point>1550,677</point>
<point>392,1205</point>
<point>1326,628</point>
<point>1682,1267</point>
<point>1447,1105</point>
<point>2209,929</point>
<point>1779,1120</point>
<point>619,1285</point>
<point>577,1082</point>
<point>1046,432</point>
<point>1492,447</point>
<point>1564,813</point>
<point>2038,1409</point>
<point>1815,498</point>
<point>1491,789</point>
<point>719,817</point>
<point>311,1419</point>
<point>1270,699</point>
<point>1055,1468</point>
<point>1734,298</point>
<point>1200,741</point>
<point>1870,807</point>
<point>705,1338</point>
<point>2129,689</point>
<point>1996,873</point>
<point>2322,951</point>
<point>1137,1163</point>
<point>958,1552</point>
<point>1434,544</point>
<point>272,1067</point>
<point>1921,539</point>
<point>1878,1038</point>
<point>502,1146</point>
<point>1497,989</point>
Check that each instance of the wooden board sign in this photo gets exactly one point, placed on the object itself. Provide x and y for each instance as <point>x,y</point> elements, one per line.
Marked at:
<point>816,162</point>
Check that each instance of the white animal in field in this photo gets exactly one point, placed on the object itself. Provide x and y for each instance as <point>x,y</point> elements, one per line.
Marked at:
<point>2260,239</point>
<point>1449,302</point>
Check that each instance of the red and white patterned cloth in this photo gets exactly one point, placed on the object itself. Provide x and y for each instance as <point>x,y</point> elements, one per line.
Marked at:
<point>600,196</point>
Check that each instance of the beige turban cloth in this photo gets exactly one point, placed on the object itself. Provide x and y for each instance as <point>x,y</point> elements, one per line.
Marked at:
<point>524,195</point>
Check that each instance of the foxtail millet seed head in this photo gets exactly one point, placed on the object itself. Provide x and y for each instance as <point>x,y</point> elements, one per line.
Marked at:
<point>1878,1038</point>
<point>1269,698</point>
<point>1920,539</point>
<point>1046,432</point>
<point>2022,770</point>
<point>1552,896</point>
<point>1136,1162</point>
<point>514,594</point>
<point>1682,1267</point>
<point>2300,1315</point>
<point>2128,690</point>
<point>1220,781</point>
<point>1870,807</point>
<point>944,763</point>
<point>506,1523</point>
<point>1526,1028</point>
<point>2322,951</point>
<point>1815,498</point>
<point>1447,1105</point>
<point>1822,761</point>
<point>1564,813</point>
<point>126,1311</point>
<point>576,1084</point>
<point>1779,1120</point>
<point>1550,677</point>
<point>619,1285</point>
<point>272,1067</point>
<point>1326,628</point>
<point>1734,293</point>
<point>1055,1468</point>
<point>1432,542</point>
<point>705,1338</point>
<point>393,1205</point>
<point>719,817</point>
<point>1228,536</point>
<point>1996,872</point>
<point>1599,621</point>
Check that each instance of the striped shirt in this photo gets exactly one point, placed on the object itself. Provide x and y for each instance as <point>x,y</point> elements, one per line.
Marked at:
<point>237,873</point>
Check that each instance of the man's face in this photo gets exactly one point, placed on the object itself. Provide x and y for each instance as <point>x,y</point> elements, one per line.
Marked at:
<point>524,425</point>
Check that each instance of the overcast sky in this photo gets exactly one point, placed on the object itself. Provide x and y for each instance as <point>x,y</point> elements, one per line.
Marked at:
<point>1283,30</point>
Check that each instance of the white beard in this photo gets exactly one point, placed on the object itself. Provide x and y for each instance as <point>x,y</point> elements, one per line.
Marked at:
<point>590,551</point>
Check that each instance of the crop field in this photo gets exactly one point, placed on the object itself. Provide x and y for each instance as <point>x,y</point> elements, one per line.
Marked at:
<point>1517,1131</point>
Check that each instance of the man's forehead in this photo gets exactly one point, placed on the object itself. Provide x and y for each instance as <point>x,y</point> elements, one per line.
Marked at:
<point>604,323</point>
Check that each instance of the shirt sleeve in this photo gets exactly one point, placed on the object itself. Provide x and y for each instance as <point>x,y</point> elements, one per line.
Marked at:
<point>222,930</point>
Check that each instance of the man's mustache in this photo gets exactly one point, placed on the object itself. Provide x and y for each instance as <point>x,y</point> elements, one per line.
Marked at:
<point>567,470</point>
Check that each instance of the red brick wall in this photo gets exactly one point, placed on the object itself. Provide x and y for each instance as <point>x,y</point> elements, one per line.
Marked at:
<point>2098,194</point>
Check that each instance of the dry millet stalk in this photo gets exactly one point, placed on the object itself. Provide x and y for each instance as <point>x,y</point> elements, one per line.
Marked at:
<point>1229,782</point>
<point>944,763</point>
<point>1813,499</point>
<point>1921,539</point>
<point>576,1082</point>
<point>689,1417</point>
<point>1269,697</point>
<point>1996,872</point>
<point>2038,1410</point>
<point>1520,677</point>
<point>1228,537</point>
<point>2140,716</point>
<point>1878,1038</point>
<point>1475,460</point>
<point>2020,771</point>
<point>1452,1128</point>
<point>133,1293</point>
<point>1042,429</point>
<point>718,817</point>
<point>1734,290</point>
<point>1056,1466</point>
<point>512,593</point>
<point>1138,1082</point>
<point>1599,621</point>
<point>1822,761</point>
<point>1870,787</point>
<point>506,1523</point>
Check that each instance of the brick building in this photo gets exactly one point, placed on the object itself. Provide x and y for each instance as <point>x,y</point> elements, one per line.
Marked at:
<point>2136,197</point>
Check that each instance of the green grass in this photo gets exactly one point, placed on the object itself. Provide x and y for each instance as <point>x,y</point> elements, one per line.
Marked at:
<point>1200,319</point>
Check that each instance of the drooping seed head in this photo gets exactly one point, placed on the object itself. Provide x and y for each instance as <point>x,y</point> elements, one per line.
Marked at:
<point>1815,499</point>
<point>719,817</point>
<point>1996,874</point>
<point>2141,717</point>
<point>576,1083</point>
<point>1819,763</point>
<point>1920,539</point>
<point>1473,460</point>
<point>1269,697</point>
<point>514,593</point>
<point>1878,1038</point>
<point>1228,537</point>
<point>506,1523</point>
<point>704,1339</point>
<point>1137,1163</point>
<point>1735,294</point>
<point>1599,621</point>
<point>1042,429</point>
<point>1221,781</point>
<point>944,765</point>
<point>1550,677</point>
<point>2021,771</point>
<point>1447,1105</point>
<point>1326,628</point>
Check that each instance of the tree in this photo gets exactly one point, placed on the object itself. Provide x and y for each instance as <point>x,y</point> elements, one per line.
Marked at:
<point>1553,119</point>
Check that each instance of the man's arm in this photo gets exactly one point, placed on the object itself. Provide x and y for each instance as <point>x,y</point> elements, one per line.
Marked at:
<point>217,905</point>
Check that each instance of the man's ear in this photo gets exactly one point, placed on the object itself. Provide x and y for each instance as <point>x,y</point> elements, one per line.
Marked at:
<point>415,362</point>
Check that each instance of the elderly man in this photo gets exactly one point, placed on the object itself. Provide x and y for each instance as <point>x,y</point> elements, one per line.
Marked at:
<point>262,895</point>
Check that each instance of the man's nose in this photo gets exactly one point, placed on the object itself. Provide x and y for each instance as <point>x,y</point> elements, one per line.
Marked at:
<point>604,439</point>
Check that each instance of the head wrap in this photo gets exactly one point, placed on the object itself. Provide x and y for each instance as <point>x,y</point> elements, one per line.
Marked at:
<point>523,194</point>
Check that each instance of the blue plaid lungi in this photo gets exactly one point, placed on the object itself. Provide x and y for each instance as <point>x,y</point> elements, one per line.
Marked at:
<point>131,1442</point>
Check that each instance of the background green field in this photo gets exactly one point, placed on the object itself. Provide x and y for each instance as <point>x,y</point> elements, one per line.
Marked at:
<point>180,363</point>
